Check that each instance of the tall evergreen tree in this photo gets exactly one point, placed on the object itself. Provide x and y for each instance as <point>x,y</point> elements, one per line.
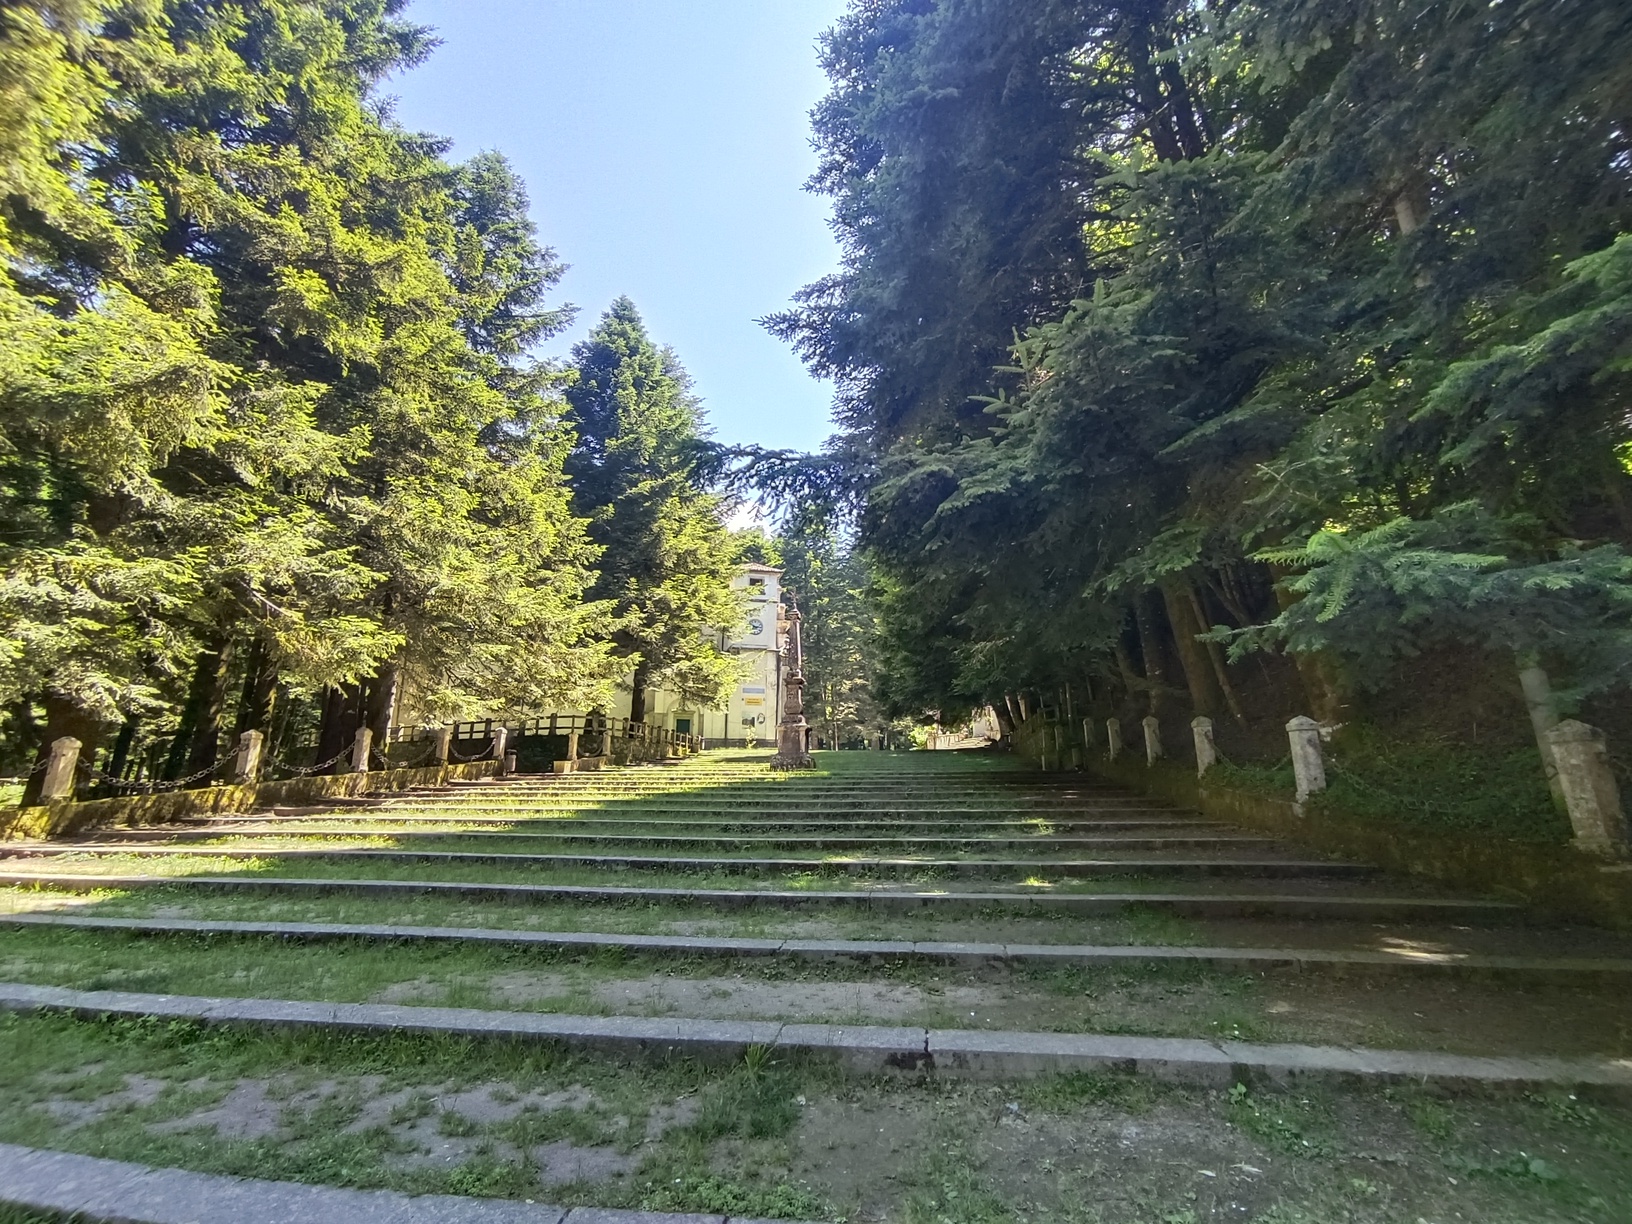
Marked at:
<point>269,425</point>
<point>1315,329</point>
<point>638,476</point>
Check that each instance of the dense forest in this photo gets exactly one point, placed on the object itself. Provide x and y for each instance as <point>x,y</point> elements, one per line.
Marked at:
<point>275,447</point>
<point>1241,357</point>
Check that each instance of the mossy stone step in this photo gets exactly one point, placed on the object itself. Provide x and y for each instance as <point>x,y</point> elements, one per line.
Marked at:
<point>861,1049</point>
<point>1402,962</point>
<point>1198,905</point>
<point>1204,840</point>
<point>1065,868</point>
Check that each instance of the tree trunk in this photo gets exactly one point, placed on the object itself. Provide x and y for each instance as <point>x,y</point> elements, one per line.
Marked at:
<point>198,734</point>
<point>1005,720</point>
<point>259,698</point>
<point>637,698</point>
<point>1150,646</point>
<point>1321,685</point>
<point>1124,668</point>
<point>62,717</point>
<point>1198,672</point>
<point>382,705</point>
<point>121,747</point>
<point>339,725</point>
<point>285,711</point>
<point>1215,656</point>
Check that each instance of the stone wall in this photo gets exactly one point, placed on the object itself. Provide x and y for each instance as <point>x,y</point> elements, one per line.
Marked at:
<point>134,811</point>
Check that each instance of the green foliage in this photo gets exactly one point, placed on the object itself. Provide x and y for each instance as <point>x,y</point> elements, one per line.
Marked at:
<point>267,411</point>
<point>638,476</point>
<point>713,1194</point>
<point>1460,575</point>
<point>1301,326</point>
<point>833,586</point>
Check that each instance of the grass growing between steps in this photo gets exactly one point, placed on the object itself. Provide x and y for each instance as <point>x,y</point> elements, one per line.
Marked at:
<point>1159,999</point>
<point>1134,925</point>
<point>1032,878</point>
<point>782,1138</point>
<point>16,1215</point>
<point>1011,862</point>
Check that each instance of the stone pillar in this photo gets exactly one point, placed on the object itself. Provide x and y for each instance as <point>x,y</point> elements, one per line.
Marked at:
<point>792,751</point>
<point>572,745</point>
<point>1589,788</point>
<point>501,738</point>
<point>247,768</point>
<point>361,749</point>
<point>442,743</point>
<point>1206,748</point>
<point>1538,699</point>
<point>59,771</point>
<point>1153,739</point>
<point>1303,734</point>
<point>1113,737</point>
<point>1087,733</point>
<point>509,763</point>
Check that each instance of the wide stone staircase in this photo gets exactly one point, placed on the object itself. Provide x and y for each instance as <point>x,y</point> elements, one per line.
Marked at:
<point>942,915</point>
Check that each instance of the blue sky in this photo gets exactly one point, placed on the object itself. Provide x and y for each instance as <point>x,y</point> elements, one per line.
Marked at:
<point>664,143</point>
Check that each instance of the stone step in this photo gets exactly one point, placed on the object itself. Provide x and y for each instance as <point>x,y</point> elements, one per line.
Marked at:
<point>91,1188</point>
<point>428,826</point>
<point>124,842</point>
<point>1192,904</point>
<point>711,796</point>
<point>1070,868</point>
<point>1402,962</point>
<point>866,1050</point>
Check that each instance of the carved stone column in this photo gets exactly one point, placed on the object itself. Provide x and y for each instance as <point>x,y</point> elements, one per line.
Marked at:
<point>791,736</point>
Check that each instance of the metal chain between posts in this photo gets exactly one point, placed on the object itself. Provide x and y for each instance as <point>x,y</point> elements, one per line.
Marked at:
<point>151,786</point>
<point>385,761</point>
<point>421,761</point>
<point>465,760</point>
<point>309,769</point>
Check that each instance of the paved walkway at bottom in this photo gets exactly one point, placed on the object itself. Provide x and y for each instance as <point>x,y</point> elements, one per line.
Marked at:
<point>113,1192</point>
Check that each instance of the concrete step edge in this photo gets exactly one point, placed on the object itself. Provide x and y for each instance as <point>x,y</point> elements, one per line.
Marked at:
<point>1300,959</point>
<point>92,1188</point>
<point>862,1049</point>
<point>971,866</point>
<point>1216,905</point>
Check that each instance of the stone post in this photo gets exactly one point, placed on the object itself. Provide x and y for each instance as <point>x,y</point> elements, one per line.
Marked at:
<point>792,735</point>
<point>1303,733</point>
<point>361,748</point>
<point>443,745</point>
<point>1153,739</point>
<point>1538,699</point>
<point>1113,737</point>
<point>247,769</point>
<point>501,736</point>
<point>509,763</point>
<point>1589,788</point>
<point>1206,748</point>
<point>572,745</point>
<point>59,771</point>
<point>1087,733</point>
